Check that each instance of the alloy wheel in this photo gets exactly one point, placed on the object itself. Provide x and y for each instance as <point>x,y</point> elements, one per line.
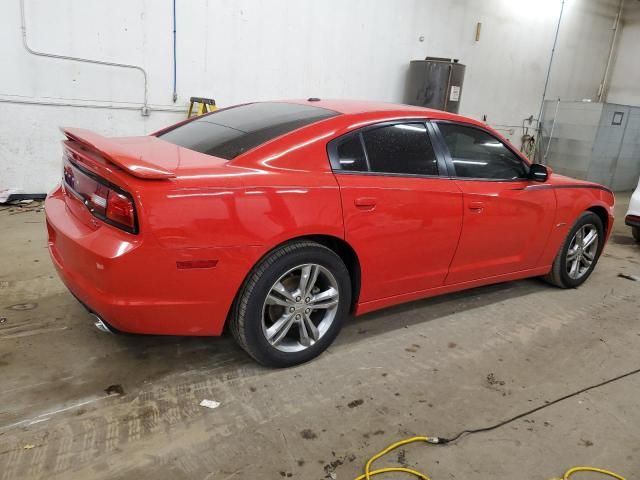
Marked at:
<point>582,251</point>
<point>300,307</point>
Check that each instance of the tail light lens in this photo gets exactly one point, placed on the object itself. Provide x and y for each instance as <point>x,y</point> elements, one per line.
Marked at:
<point>120,209</point>
<point>104,200</point>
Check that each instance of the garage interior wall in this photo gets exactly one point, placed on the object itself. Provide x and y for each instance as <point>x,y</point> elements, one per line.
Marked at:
<point>244,50</point>
<point>624,84</point>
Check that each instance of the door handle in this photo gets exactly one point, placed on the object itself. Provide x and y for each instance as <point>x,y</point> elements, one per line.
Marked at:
<point>476,206</point>
<point>365,202</point>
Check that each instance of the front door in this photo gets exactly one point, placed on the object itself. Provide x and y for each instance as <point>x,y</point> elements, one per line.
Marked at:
<point>506,224</point>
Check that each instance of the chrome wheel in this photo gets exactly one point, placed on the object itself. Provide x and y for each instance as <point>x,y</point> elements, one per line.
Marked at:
<point>300,307</point>
<point>582,251</point>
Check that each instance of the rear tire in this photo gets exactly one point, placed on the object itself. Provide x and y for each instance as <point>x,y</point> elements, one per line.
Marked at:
<point>576,260</point>
<point>292,305</point>
<point>635,231</point>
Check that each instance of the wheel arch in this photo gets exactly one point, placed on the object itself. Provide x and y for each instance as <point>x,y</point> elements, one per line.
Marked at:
<point>602,213</point>
<point>338,245</point>
<point>348,255</point>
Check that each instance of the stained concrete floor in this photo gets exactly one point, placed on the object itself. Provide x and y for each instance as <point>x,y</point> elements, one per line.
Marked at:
<point>431,367</point>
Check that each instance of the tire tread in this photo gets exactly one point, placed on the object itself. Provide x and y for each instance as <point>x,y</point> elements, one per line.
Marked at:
<point>554,277</point>
<point>237,322</point>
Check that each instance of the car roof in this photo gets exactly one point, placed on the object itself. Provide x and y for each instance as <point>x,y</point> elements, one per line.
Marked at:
<point>352,107</point>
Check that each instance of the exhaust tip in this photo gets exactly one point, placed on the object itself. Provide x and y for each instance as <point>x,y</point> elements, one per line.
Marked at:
<point>100,324</point>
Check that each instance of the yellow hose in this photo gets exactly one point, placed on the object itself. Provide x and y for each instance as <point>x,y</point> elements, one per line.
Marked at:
<point>410,471</point>
<point>367,468</point>
<point>368,473</point>
<point>573,470</point>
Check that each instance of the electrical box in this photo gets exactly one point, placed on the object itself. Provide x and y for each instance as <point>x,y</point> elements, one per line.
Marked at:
<point>435,83</point>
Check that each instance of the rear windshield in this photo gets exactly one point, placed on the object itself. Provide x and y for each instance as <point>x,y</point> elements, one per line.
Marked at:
<point>233,131</point>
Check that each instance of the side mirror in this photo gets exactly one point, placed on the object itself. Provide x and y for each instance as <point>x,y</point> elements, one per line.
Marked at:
<point>538,172</point>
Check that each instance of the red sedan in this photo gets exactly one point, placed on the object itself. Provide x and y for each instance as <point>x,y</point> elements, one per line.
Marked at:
<point>280,219</point>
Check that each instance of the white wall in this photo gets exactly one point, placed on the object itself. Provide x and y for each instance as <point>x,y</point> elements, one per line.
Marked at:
<point>624,83</point>
<point>242,50</point>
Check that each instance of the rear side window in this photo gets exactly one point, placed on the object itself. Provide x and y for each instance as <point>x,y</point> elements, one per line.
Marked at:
<point>236,130</point>
<point>351,155</point>
<point>401,148</point>
<point>477,154</point>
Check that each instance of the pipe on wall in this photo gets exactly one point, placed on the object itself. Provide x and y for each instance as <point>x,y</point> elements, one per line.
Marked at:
<point>602,90</point>
<point>145,106</point>
<point>175,58</point>
<point>61,102</point>
<point>553,52</point>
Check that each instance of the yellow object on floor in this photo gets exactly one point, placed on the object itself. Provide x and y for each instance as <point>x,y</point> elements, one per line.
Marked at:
<point>573,470</point>
<point>368,473</point>
<point>367,468</point>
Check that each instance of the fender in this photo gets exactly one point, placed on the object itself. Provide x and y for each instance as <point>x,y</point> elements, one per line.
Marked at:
<point>572,201</point>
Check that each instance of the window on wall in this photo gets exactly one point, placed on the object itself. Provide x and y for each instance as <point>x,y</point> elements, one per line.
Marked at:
<point>401,148</point>
<point>476,154</point>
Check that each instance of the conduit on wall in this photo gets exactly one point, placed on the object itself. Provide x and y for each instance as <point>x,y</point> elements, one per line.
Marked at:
<point>546,82</point>
<point>553,52</point>
<point>604,85</point>
<point>64,102</point>
<point>175,59</point>
<point>145,106</point>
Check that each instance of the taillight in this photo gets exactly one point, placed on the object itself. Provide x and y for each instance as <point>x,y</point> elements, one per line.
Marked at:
<point>106,201</point>
<point>120,209</point>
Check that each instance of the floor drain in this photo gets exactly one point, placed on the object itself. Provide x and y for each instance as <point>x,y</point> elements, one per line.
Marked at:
<point>23,306</point>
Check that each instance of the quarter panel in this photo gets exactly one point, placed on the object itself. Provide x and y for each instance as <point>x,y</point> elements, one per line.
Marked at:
<point>271,214</point>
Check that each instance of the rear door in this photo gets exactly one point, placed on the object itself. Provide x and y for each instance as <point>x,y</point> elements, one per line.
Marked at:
<point>506,224</point>
<point>401,214</point>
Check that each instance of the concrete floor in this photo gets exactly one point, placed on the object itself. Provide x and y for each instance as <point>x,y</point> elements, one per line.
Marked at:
<point>431,367</point>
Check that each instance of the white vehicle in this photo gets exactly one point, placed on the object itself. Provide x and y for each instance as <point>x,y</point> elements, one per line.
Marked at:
<point>633,215</point>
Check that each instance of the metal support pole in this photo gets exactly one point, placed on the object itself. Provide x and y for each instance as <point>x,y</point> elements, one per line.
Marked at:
<point>602,90</point>
<point>546,82</point>
<point>553,127</point>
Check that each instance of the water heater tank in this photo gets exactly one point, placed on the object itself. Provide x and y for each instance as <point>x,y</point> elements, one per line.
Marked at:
<point>435,83</point>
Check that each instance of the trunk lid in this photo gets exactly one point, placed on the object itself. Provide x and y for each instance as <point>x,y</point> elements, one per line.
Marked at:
<point>133,169</point>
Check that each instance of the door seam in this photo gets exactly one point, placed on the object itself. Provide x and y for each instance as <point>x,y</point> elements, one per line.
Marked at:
<point>462,213</point>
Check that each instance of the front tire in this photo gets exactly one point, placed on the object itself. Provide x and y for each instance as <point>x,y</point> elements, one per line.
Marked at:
<point>579,253</point>
<point>292,305</point>
<point>635,231</point>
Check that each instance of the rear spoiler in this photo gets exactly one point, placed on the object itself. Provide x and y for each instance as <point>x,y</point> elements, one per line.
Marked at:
<point>117,154</point>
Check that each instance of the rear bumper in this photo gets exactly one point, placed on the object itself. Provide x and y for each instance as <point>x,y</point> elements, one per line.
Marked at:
<point>134,284</point>
<point>632,220</point>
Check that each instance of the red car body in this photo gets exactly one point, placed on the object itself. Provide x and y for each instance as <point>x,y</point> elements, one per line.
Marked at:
<point>203,222</point>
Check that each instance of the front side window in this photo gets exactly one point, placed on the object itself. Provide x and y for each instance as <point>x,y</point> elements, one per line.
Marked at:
<point>477,154</point>
<point>401,148</point>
